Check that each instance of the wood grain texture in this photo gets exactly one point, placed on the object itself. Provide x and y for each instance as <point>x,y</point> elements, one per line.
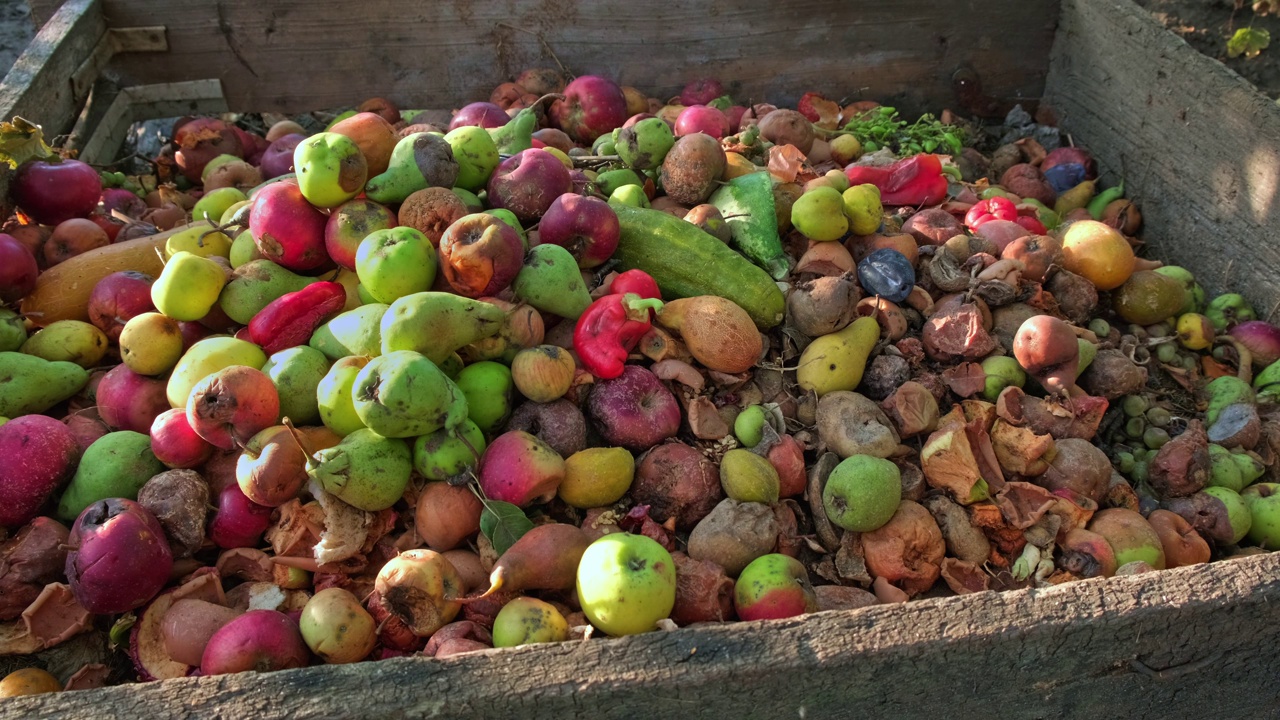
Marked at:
<point>1197,145</point>
<point>300,55</point>
<point>39,86</point>
<point>1193,642</point>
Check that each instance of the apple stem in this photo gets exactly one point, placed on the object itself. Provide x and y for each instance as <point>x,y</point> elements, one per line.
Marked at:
<point>465,441</point>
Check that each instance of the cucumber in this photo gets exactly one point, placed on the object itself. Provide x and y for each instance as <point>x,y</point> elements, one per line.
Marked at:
<point>688,262</point>
<point>746,202</point>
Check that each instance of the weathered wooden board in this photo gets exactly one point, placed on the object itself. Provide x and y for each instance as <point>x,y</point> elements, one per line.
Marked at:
<point>300,55</point>
<point>40,86</point>
<point>1193,642</point>
<point>1197,145</point>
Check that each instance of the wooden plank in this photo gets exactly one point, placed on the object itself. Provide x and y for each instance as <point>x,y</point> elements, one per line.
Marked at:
<point>1197,642</point>
<point>116,40</point>
<point>1197,145</point>
<point>39,87</point>
<point>301,55</point>
<point>145,102</point>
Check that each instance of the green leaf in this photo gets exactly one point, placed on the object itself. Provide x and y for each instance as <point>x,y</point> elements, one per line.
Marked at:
<point>120,631</point>
<point>503,523</point>
<point>21,141</point>
<point>1248,42</point>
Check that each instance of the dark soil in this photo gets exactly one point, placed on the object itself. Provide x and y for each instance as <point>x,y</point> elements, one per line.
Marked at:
<point>1206,25</point>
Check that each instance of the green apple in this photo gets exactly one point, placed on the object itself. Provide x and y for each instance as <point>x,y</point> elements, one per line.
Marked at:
<point>510,218</point>
<point>1194,298</point>
<point>626,584</point>
<point>525,620</point>
<point>1238,513</point>
<point>336,626</point>
<point>632,195</point>
<point>862,493</point>
<point>231,211</point>
<point>819,214</point>
<point>188,286</point>
<point>476,155</point>
<point>488,386</point>
<point>645,144</point>
<point>1263,501</point>
<point>470,199</point>
<point>296,373</point>
<point>1002,371</point>
<point>610,180</point>
<point>213,204</point>
<point>199,240</point>
<point>863,209</point>
<point>395,262</point>
<point>13,330</point>
<point>243,250</point>
<point>330,168</point>
<point>448,451</point>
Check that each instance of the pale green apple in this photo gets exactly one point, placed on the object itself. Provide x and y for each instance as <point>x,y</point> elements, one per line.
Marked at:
<point>626,584</point>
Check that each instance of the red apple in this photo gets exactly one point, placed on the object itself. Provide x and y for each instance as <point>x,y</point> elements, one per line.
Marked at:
<point>585,226</point>
<point>238,521</point>
<point>277,160</point>
<point>702,119</point>
<point>527,183</point>
<point>120,557</point>
<point>482,114</point>
<point>192,333</point>
<point>117,298</point>
<point>232,405</point>
<point>175,443</point>
<point>480,255</point>
<point>637,118</point>
<point>634,410</point>
<point>351,222</point>
<point>773,586</point>
<point>18,270</point>
<point>40,455</point>
<point>701,91</point>
<point>74,237</point>
<point>520,469</point>
<point>129,401</point>
<point>202,139</point>
<point>287,229</point>
<point>592,106</point>
<point>735,114</point>
<point>50,191</point>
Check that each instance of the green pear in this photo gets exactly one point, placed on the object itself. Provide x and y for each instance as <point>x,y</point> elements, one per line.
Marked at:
<point>68,341</point>
<point>517,134</point>
<point>29,384</point>
<point>452,365</point>
<point>632,195</point>
<point>214,203</point>
<point>477,156</point>
<point>13,330</point>
<point>188,286</point>
<point>862,207</point>
<point>551,282</point>
<point>206,358</point>
<point>819,214</point>
<point>254,285</point>
<point>116,465</point>
<point>355,332</point>
<point>471,200</point>
<point>365,470</point>
<point>297,373</point>
<point>610,180</point>
<point>436,323</point>
<point>403,394</point>
<point>448,452</point>
<point>487,386</point>
<point>395,262</point>
<point>418,161</point>
<point>334,398</point>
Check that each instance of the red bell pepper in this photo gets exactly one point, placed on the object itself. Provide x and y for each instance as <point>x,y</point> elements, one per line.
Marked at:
<point>917,180</point>
<point>608,331</point>
<point>1032,224</point>
<point>994,208</point>
<point>635,281</point>
<point>289,320</point>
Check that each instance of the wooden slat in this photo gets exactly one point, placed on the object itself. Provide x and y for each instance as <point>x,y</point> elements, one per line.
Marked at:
<point>300,55</point>
<point>39,86</point>
<point>1197,145</point>
<point>145,102</point>
<point>1193,642</point>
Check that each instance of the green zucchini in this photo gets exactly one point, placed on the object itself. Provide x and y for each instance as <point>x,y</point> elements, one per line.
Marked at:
<point>688,262</point>
<point>746,202</point>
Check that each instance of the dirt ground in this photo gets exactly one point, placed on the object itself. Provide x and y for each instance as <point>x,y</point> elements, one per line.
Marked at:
<point>1206,25</point>
<point>15,31</point>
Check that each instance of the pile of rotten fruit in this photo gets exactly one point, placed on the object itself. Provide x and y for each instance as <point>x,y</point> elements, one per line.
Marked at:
<point>577,362</point>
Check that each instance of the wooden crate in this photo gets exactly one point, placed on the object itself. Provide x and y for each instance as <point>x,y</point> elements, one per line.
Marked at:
<point>1196,144</point>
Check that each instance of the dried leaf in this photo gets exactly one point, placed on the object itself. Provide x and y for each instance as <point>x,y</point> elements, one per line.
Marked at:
<point>785,162</point>
<point>966,379</point>
<point>1248,41</point>
<point>22,140</point>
